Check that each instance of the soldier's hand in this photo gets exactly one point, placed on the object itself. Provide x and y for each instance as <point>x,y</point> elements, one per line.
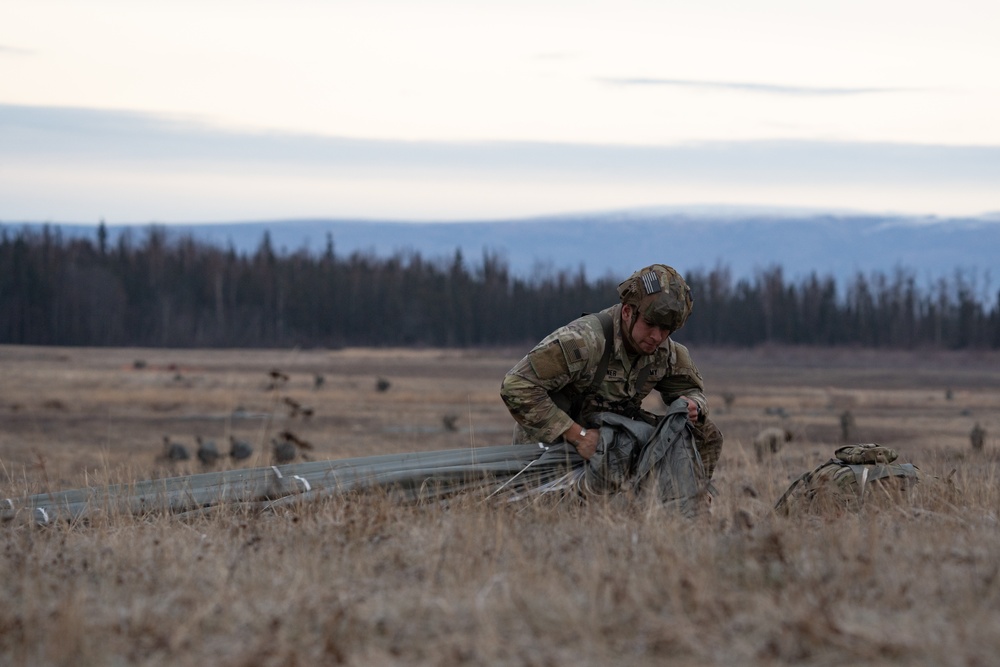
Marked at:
<point>584,440</point>
<point>692,409</point>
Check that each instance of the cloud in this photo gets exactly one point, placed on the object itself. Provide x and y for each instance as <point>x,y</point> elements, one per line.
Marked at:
<point>95,135</point>
<point>170,167</point>
<point>555,55</point>
<point>744,87</point>
<point>14,51</point>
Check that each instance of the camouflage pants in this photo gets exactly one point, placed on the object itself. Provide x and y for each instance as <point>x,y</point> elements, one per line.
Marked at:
<point>708,441</point>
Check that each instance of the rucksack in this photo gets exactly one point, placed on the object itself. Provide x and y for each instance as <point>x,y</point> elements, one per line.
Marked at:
<point>857,474</point>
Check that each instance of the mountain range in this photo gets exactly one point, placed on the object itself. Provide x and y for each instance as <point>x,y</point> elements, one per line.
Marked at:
<point>615,243</point>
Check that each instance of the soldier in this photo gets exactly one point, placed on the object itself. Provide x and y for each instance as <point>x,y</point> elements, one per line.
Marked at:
<point>609,362</point>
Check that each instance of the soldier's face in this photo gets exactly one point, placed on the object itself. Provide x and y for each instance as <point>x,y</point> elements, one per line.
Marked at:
<point>645,336</point>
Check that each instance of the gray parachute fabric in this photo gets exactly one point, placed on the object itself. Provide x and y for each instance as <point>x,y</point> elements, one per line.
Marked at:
<point>634,457</point>
<point>856,475</point>
<point>415,476</point>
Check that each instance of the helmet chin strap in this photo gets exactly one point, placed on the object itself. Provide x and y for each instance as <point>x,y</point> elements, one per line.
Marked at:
<point>630,343</point>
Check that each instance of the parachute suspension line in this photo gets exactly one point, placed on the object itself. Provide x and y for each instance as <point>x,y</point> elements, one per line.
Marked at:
<point>500,488</point>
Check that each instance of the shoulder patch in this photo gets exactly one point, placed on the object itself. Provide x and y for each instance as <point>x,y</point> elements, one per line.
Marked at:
<point>548,361</point>
<point>575,350</point>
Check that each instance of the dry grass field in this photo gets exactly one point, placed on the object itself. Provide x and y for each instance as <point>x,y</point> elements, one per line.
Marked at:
<point>367,580</point>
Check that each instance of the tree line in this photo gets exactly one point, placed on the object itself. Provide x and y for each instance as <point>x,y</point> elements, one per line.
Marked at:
<point>152,291</point>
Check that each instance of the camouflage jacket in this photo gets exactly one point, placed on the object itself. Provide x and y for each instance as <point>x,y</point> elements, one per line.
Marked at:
<point>566,362</point>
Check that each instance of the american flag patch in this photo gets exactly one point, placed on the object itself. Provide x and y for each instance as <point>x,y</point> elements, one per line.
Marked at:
<point>651,282</point>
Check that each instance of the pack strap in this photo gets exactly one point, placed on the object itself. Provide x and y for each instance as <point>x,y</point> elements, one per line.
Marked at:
<point>575,406</point>
<point>609,344</point>
<point>864,474</point>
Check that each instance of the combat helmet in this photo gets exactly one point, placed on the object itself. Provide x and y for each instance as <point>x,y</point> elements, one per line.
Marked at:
<point>659,294</point>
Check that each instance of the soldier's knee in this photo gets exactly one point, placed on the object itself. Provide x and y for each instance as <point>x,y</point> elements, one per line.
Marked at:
<point>709,441</point>
<point>709,433</point>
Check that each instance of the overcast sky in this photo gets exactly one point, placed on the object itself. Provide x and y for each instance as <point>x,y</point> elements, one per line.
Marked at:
<point>435,110</point>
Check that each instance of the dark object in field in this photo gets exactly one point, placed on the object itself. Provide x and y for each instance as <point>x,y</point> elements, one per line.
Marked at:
<point>846,426</point>
<point>174,451</point>
<point>318,381</point>
<point>288,436</point>
<point>278,379</point>
<point>283,451</point>
<point>977,437</point>
<point>382,384</point>
<point>742,521</point>
<point>239,449</point>
<point>295,408</point>
<point>286,447</point>
<point>449,422</point>
<point>208,453</point>
<point>770,441</point>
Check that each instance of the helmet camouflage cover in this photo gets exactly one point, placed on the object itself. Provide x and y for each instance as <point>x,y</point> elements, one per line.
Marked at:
<point>659,295</point>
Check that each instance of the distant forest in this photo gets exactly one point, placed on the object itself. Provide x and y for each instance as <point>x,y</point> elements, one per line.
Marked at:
<point>149,292</point>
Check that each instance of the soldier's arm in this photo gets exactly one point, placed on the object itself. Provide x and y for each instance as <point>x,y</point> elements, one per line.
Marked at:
<point>559,360</point>
<point>683,380</point>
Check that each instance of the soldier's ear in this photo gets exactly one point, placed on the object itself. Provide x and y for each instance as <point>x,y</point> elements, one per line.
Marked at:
<point>627,312</point>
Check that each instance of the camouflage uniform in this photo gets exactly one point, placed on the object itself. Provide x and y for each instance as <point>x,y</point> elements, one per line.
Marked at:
<point>562,368</point>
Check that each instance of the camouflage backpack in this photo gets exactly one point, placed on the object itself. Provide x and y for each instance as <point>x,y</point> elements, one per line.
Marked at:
<point>857,474</point>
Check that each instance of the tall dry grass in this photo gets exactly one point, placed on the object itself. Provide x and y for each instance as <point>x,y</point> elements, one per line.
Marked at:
<point>365,579</point>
